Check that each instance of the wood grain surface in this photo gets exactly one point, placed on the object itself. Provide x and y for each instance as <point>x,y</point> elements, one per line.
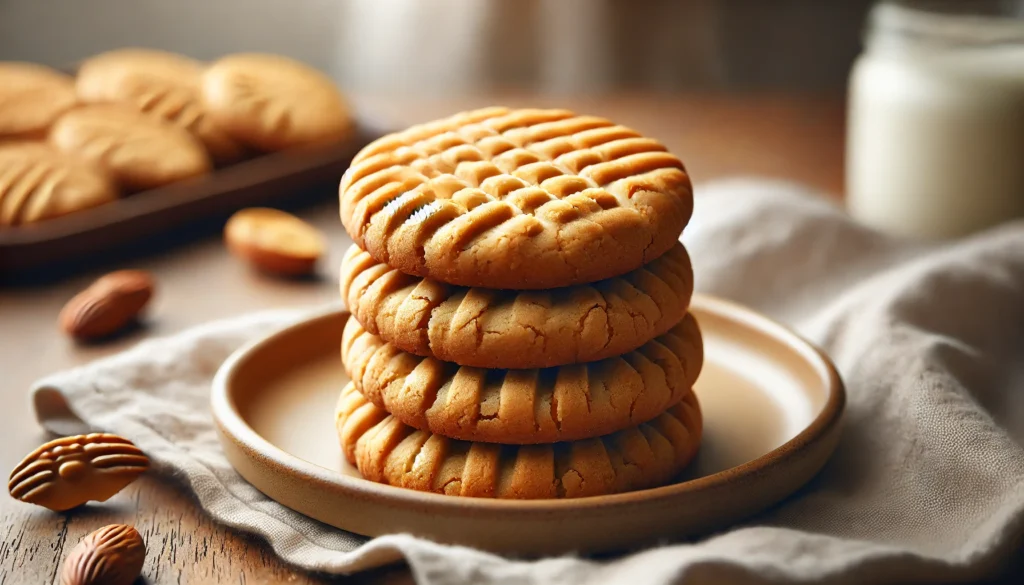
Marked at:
<point>794,137</point>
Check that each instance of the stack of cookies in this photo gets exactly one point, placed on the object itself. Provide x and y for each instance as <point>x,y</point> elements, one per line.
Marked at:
<point>519,299</point>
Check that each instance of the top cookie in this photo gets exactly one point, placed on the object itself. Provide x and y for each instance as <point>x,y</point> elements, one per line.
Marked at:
<point>516,199</point>
<point>274,103</point>
<point>158,83</point>
<point>31,98</point>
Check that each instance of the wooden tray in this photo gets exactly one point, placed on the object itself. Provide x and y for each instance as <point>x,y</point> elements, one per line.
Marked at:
<point>265,180</point>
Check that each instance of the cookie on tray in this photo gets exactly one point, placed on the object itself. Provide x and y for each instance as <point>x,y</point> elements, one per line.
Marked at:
<point>386,450</point>
<point>31,98</point>
<point>38,182</point>
<point>491,328</point>
<point>516,199</point>
<point>139,151</point>
<point>273,103</point>
<point>160,83</point>
<point>527,406</point>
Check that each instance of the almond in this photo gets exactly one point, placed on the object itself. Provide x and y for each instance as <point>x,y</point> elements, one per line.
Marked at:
<point>113,555</point>
<point>108,305</point>
<point>68,472</point>
<point>274,241</point>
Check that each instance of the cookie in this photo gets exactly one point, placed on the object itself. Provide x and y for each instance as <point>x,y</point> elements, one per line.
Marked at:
<point>387,451</point>
<point>528,406</point>
<point>274,103</point>
<point>139,151</point>
<point>38,182</point>
<point>163,84</point>
<point>491,328</point>
<point>31,98</point>
<point>516,199</point>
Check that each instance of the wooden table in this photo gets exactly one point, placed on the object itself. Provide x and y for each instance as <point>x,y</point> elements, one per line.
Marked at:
<point>794,137</point>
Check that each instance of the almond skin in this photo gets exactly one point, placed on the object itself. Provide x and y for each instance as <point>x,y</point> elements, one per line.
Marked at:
<point>112,555</point>
<point>108,305</point>
<point>274,241</point>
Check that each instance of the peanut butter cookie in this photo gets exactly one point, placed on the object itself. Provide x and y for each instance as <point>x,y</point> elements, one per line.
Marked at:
<point>31,98</point>
<point>139,151</point>
<point>516,199</point>
<point>273,103</point>
<point>491,328</point>
<point>38,182</point>
<point>530,406</point>
<point>387,451</point>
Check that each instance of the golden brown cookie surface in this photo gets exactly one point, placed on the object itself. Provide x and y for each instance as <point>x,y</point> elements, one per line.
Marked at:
<point>274,103</point>
<point>491,328</point>
<point>387,451</point>
<point>139,151</point>
<point>158,83</point>
<point>31,98</point>
<point>527,406</point>
<point>517,199</point>
<point>38,182</point>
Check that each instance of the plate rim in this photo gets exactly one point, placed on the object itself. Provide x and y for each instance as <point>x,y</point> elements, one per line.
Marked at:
<point>233,427</point>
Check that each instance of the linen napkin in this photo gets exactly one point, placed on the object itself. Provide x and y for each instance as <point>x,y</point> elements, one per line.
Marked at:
<point>927,483</point>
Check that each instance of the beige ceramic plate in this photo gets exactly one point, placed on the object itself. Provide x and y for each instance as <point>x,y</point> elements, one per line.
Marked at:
<point>771,402</point>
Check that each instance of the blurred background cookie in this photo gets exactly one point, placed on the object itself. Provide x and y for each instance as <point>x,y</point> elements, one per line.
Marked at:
<point>272,103</point>
<point>139,151</point>
<point>159,83</point>
<point>38,182</point>
<point>31,98</point>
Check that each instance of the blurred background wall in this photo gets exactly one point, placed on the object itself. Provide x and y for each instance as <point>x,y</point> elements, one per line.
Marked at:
<point>446,46</point>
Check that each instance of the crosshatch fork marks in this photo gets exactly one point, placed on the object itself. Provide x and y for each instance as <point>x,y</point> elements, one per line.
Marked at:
<point>528,199</point>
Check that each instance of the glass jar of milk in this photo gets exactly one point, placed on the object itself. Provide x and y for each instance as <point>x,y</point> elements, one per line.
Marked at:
<point>935,141</point>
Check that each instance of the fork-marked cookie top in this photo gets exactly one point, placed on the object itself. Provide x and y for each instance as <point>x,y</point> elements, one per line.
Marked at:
<point>158,83</point>
<point>491,328</point>
<point>139,151</point>
<point>38,182</point>
<point>516,199</point>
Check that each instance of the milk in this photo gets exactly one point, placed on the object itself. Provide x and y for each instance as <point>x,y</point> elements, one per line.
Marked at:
<point>935,141</point>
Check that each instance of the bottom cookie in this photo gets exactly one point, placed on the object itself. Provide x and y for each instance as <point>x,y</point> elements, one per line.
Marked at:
<point>387,451</point>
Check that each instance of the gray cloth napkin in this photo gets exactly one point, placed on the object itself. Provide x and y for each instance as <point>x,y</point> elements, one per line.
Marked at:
<point>927,484</point>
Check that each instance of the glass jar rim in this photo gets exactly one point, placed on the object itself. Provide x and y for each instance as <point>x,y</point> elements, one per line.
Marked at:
<point>950,22</point>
